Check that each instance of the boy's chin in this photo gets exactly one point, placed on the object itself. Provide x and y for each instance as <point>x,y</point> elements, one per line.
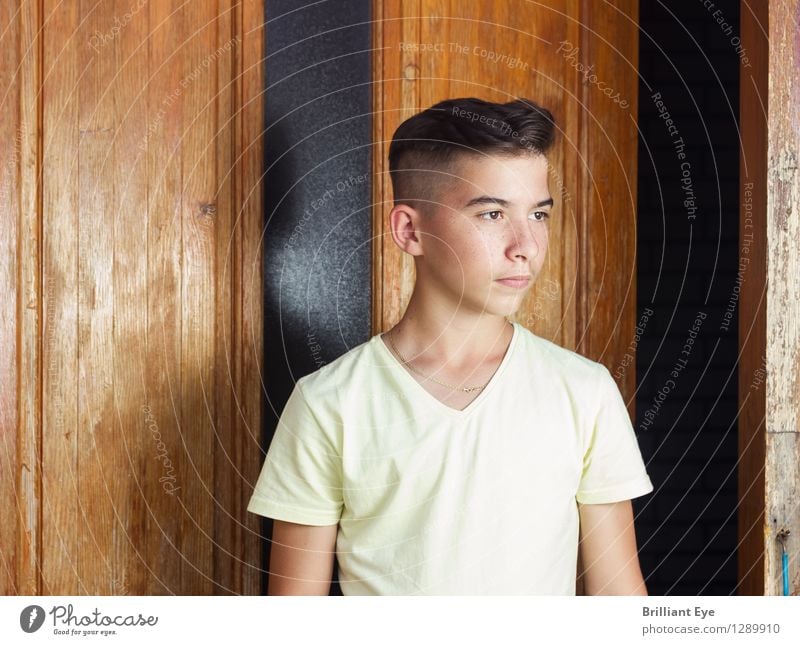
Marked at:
<point>501,305</point>
<point>503,308</point>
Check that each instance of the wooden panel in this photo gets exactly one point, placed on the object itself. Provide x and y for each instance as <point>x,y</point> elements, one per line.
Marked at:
<point>608,161</point>
<point>783,223</point>
<point>769,376</point>
<point>98,466</point>
<point>66,522</point>
<point>20,310</point>
<point>144,297</point>
<point>127,439</point>
<point>9,202</point>
<point>752,300</point>
<point>241,537</point>
<point>162,418</point>
<point>782,474</point>
<point>198,217</point>
<point>782,512</point>
<point>395,98</point>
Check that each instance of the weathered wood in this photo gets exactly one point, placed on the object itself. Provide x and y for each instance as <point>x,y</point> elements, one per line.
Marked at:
<point>782,495</point>
<point>783,293</point>
<point>769,333</point>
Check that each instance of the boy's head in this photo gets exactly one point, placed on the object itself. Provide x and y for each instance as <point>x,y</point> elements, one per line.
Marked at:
<point>471,199</point>
<point>426,146</point>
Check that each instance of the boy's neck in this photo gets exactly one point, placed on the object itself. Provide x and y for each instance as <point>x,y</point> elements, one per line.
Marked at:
<point>452,339</point>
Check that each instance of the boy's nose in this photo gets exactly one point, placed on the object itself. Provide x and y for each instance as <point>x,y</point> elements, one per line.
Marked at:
<point>523,242</point>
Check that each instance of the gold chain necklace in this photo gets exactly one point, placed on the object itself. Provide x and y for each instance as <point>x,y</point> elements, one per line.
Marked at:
<point>470,388</point>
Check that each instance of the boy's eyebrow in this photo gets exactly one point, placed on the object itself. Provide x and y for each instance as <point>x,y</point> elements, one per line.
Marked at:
<point>487,199</point>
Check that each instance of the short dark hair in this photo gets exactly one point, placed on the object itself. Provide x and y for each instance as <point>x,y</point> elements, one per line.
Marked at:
<point>430,142</point>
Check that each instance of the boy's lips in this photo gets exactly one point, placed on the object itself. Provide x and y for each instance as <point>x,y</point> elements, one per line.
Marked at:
<point>517,281</point>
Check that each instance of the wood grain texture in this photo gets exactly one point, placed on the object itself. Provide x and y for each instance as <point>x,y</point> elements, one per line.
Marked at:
<point>782,495</point>
<point>132,402</point>
<point>606,317</point>
<point>61,504</point>
<point>161,410</point>
<point>99,471</point>
<point>752,303</point>
<point>782,474</point>
<point>20,305</point>
<point>9,415</point>
<point>198,221</point>
<point>783,222</point>
<point>769,333</point>
<point>248,341</point>
<point>585,297</point>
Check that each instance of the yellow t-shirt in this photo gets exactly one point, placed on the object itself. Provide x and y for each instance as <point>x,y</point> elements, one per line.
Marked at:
<point>433,500</point>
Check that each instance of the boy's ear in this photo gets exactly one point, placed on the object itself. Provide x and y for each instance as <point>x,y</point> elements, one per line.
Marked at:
<point>404,222</point>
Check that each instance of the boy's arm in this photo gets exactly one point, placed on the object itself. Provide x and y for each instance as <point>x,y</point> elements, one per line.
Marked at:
<point>301,559</point>
<point>608,550</point>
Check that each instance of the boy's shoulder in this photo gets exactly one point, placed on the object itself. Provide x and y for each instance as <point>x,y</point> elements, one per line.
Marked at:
<point>559,361</point>
<point>355,365</point>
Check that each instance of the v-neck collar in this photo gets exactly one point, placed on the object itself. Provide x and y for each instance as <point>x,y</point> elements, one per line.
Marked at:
<point>422,393</point>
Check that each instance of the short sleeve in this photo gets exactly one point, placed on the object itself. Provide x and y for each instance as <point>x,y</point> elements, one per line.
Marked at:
<point>613,468</point>
<point>301,479</point>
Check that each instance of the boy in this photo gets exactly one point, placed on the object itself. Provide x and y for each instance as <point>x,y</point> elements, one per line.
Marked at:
<point>458,453</point>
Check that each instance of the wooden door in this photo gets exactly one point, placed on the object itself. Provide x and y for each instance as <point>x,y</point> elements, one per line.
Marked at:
<point>131,306</point>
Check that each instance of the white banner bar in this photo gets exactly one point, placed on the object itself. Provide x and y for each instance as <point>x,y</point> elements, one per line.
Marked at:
<point>401,620</point>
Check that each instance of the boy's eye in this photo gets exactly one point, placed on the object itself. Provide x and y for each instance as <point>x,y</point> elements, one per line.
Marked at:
<point>538,216</point>
<point>483,215</point>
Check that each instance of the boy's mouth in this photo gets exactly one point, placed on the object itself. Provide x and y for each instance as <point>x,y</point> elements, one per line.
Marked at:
<point>517,281</point>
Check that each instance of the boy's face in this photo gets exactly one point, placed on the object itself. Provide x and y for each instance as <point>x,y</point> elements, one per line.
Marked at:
<point>490,223</point>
